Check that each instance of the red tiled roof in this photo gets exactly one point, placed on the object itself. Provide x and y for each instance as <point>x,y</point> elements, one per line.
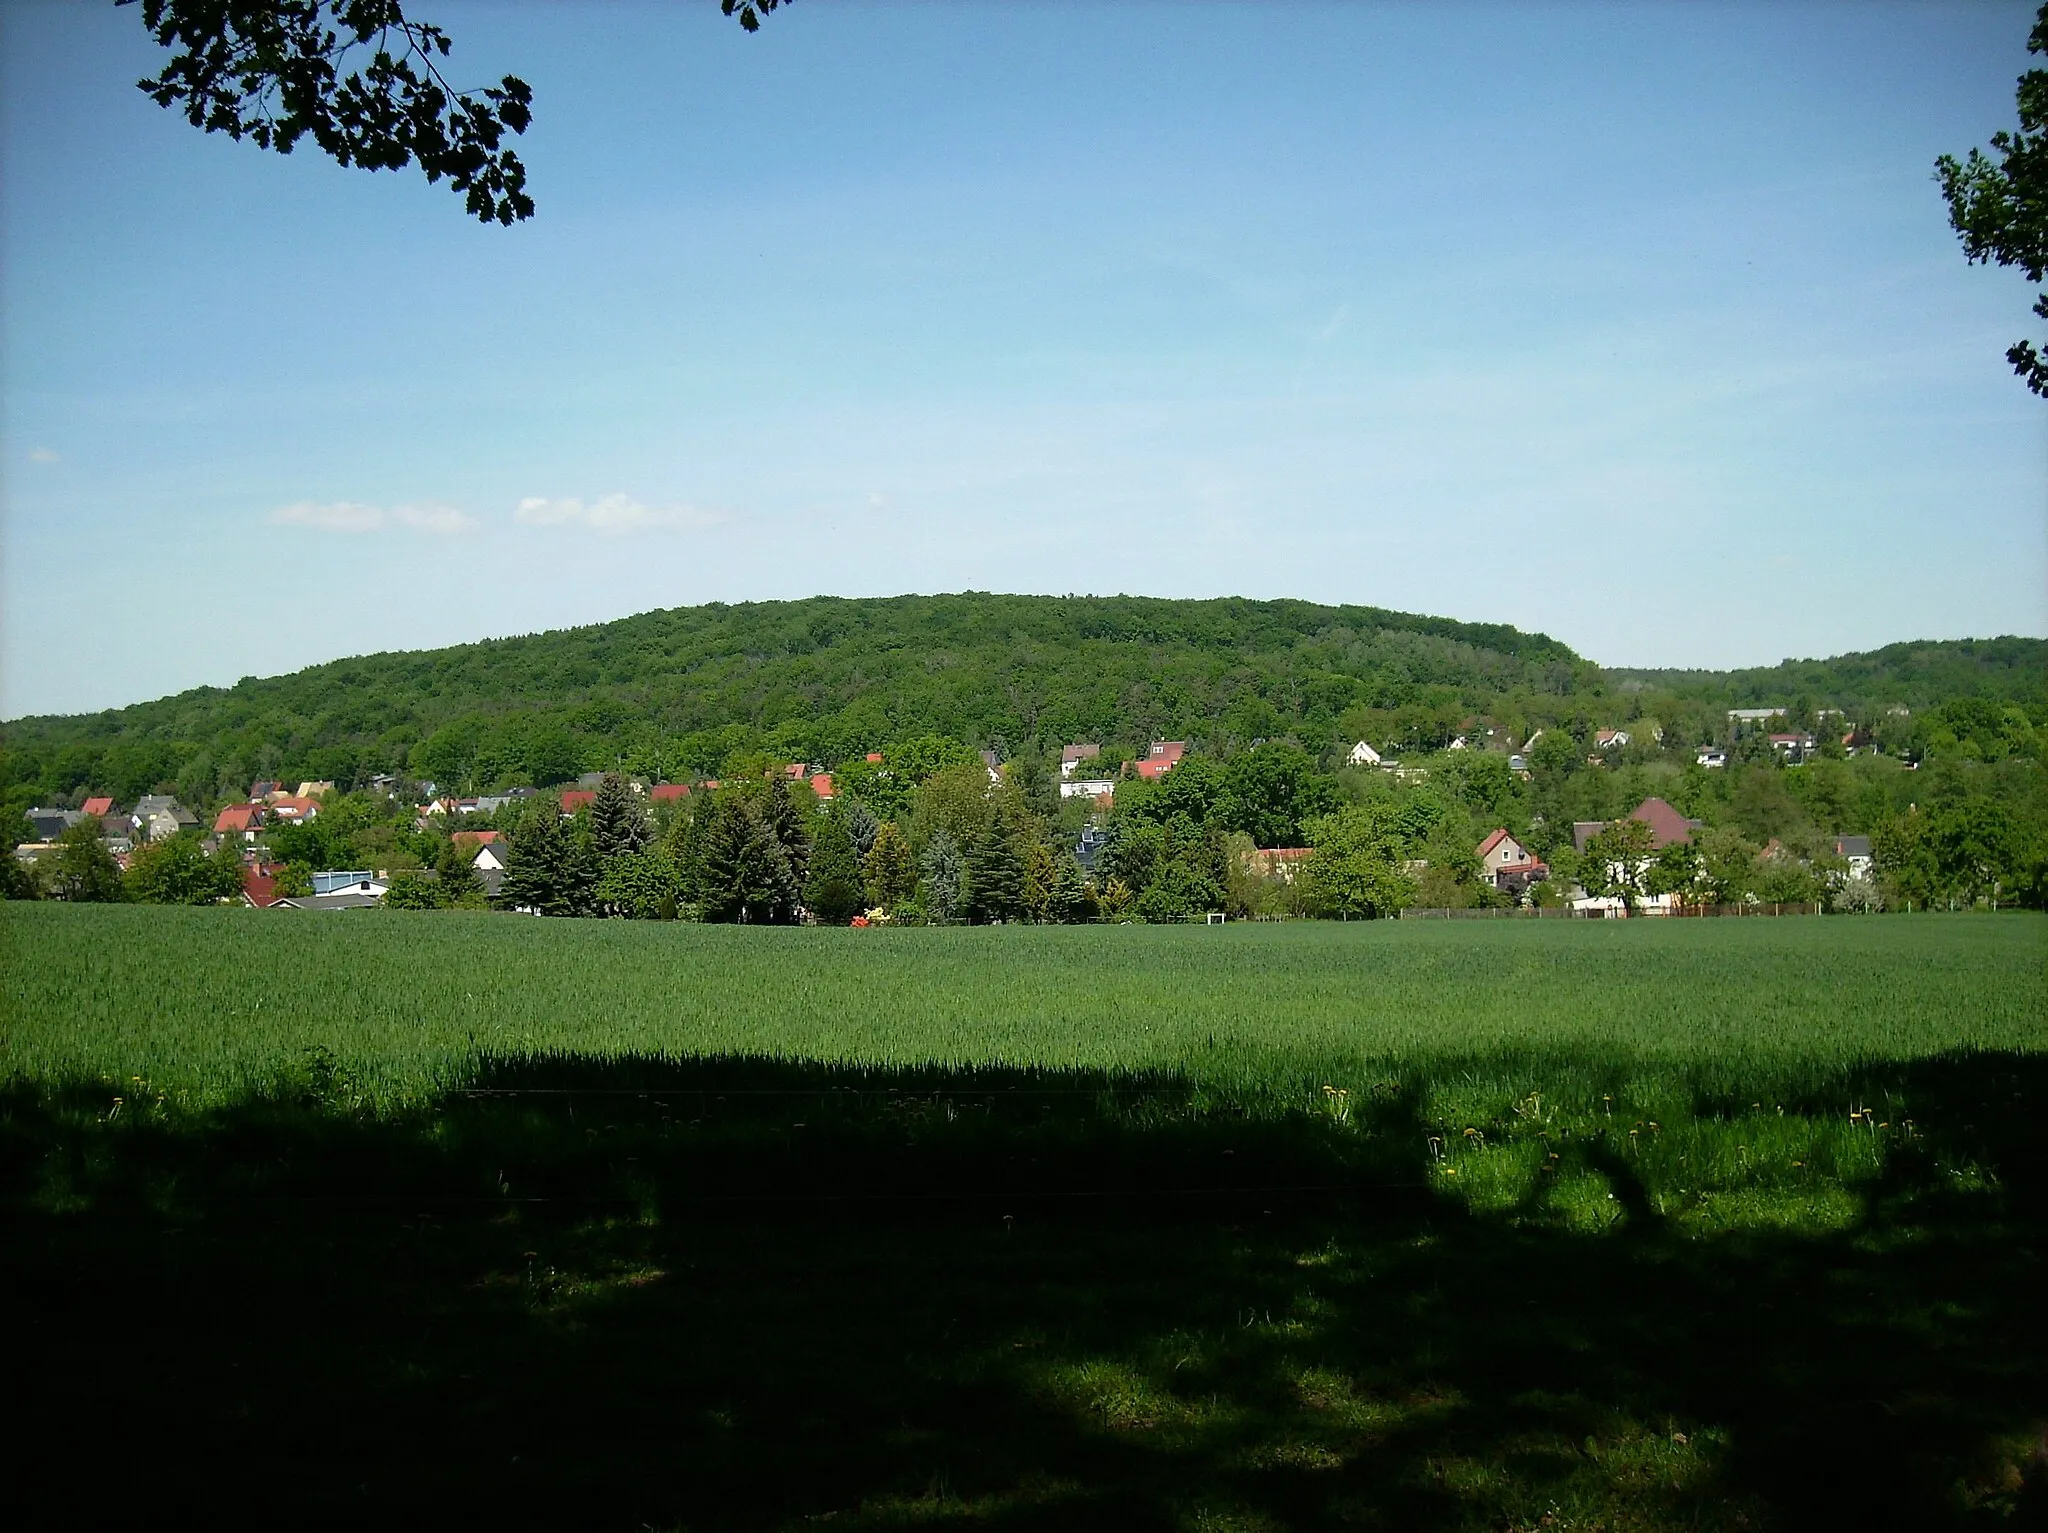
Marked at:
<point>239,817</point>
<point>576,798</point>
<point>474,837</point>
<point>260,886</point>
<point>1490,843</point>
<point>664,792</point>
<point>1154,768</point>
<point>1666,824</point>
<point>875,756</point>
<point>99,806</point>
<point>295,808</point>
<point>821,784</point>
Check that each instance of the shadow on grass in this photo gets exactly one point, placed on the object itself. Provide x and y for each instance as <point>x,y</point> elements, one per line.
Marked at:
<point>750,1294</point>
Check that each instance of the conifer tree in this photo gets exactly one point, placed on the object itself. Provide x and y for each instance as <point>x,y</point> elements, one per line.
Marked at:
<point>833,891</point>
<point>785,826</point>
<point>459,883</point>
<point>618,824</point>
<point>942,877</point>
<point>862,825</point>
<point>995,876</point>
<point>745,874</point>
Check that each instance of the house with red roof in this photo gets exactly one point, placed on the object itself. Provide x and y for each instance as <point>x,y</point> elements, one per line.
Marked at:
<point>259,883</point>
<point>1509,865</point>
<point>574,799</point>
<point>1667,828</point>
<point>668,792</point>
<point>98,808</point>
<point>1283,864</point>
<point>243,820</point>
<point>1162,758</point>
<point>293,809</point>
<point>821,784</point>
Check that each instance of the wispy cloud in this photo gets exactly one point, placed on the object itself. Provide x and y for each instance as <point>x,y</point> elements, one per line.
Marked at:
<point>616,514</point>
<point>41,455</point>
<point>351,516</point>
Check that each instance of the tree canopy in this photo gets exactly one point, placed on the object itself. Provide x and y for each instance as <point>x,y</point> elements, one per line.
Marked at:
<point>1999,206</point>
<point>278,71</point>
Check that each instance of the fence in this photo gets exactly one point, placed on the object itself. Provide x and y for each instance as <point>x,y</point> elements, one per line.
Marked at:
<point>1566,913</point>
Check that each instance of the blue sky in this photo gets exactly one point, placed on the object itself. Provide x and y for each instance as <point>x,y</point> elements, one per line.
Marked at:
<point>1640,325</point>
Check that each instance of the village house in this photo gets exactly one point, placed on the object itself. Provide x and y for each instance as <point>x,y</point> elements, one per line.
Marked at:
<point>1101,789</point>
<point>1792,744</point>
<point>821,784</point>
<point>1072,756</point>
<point>244,820</point>
<point>668,793</point>
<point>1510,866</point>
<point>294,810</point>
<point>159,816</point>
<point>315,788</point>
<point>1855,851</point>
<point>1609,739</point>
<point>351,881</point>
<point>1712,758</point>
<point>1282,864</point>
<point>1162,758</point>
<point>574,799</point>
<point>1667,827</point>
<point>1363,755</point>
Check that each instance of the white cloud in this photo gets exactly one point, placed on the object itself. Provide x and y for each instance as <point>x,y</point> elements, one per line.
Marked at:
<point>444,521</point>
<point>41,455</point>
<point>614,514</point>
<point>350,516</point>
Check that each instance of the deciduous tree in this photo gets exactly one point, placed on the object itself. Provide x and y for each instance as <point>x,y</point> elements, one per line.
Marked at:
<point>2000,207</point>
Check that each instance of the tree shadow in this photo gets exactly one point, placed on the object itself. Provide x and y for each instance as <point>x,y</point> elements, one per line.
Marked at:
<point>750,1293</point>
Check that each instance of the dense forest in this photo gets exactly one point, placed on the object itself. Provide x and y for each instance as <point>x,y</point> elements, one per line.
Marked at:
<point>683,692</point>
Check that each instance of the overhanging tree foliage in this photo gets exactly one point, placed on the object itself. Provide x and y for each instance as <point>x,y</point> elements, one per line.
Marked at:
<point>2000,207</point>
<point>275,72</point>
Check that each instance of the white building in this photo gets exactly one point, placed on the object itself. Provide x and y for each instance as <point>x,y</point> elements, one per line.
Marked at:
<point>1363,755</point>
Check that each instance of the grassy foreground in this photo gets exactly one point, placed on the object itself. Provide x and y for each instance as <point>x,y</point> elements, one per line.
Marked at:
<point>434,1219</point>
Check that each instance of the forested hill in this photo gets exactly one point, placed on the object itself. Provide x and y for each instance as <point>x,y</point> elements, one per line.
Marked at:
<point>1914,675</point>
<point>684,690</point>
<point>817,679</point>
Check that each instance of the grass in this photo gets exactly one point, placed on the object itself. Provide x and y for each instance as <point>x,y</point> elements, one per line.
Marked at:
<point>437,1219</point>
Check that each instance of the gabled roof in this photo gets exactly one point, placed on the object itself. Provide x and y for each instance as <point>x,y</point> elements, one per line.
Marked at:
<point>1079,752</point>
<point>293,808</point>
<point>665,792</point>
<point>576,798</point>
<point>1493,841</point>
<point>259,886</point>
<point>1666,824</point>
<point>98,806</point>
<point>474,837</point>
<point>821,784</point>
<point>239,817</point>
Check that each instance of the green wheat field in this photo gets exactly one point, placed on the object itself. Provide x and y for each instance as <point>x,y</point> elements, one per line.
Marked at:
<point>435,1218</point>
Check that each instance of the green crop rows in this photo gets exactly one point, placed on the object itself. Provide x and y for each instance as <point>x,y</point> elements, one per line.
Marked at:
<point>209,1004</point>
